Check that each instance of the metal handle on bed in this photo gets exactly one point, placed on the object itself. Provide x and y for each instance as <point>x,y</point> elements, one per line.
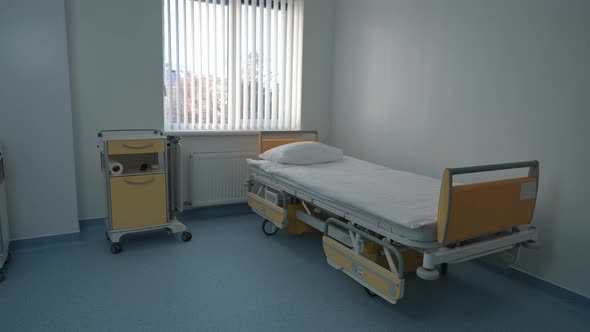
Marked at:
<point>385,244</point>
<point>495,167</point>
<point>283,196</point>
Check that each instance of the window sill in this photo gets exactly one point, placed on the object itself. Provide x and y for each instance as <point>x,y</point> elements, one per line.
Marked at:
<point>187,133</point>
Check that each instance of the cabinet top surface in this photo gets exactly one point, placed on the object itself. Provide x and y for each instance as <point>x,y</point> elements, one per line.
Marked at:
<point>125,136</point>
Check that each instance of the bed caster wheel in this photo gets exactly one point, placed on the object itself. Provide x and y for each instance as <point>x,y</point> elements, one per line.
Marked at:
<point>531,244</point>
<point>444,268</point>
<point>8,259</point>
<point>269,228</point>
<point>116,248</point>
<point>427,274</point>
<point>106,235</point>
<point>186,236</point>
<point>371,294</point>
<point>1,276</point>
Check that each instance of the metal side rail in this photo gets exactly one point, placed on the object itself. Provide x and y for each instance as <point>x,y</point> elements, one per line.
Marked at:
<point>525,235</point>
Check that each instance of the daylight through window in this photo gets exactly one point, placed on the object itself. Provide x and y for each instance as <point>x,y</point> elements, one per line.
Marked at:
<point>232,64</point>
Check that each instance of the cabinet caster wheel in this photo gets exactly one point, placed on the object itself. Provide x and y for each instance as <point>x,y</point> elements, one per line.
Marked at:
<point>116,248</point>
<point>427,274</point>
<point>1,276</point>
<point>371,294</point>
<point>269,228</point>
<point>186,236</point>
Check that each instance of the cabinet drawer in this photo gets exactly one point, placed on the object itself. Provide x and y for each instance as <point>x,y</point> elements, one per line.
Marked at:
<point>138,201</point>
<point>136,146</point>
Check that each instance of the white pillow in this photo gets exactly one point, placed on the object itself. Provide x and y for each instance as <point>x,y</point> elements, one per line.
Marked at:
<point>303,153</point>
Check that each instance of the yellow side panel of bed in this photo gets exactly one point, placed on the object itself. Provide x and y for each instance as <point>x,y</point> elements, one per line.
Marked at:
<point>484,208</point>
<point>267,210</point>
<point>363,270</point>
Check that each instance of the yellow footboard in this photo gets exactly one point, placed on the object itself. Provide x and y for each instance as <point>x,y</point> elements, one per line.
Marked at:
<point>369,274</point>
<point>472,210</point>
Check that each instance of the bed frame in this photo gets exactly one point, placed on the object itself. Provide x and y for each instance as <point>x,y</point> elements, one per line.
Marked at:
<point>487,219</point>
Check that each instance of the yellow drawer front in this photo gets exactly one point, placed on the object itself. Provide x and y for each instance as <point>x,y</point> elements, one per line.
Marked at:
<point>138,201</point>
<point>136,146</point>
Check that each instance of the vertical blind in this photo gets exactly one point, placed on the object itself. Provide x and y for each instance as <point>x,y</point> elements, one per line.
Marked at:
<point>232,64</point>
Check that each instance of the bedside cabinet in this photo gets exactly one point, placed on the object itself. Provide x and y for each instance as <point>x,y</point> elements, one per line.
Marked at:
<point>136,167</point>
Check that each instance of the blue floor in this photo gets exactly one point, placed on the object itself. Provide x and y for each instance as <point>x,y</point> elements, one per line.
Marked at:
<point>231,277</point>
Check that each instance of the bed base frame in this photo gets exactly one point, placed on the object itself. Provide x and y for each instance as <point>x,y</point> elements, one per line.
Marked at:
<point>346,235</point>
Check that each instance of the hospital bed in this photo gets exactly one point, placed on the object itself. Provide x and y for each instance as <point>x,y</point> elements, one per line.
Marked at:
<point>379,224</point>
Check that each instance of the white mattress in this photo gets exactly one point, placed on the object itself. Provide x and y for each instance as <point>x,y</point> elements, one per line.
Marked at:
<point>400,202</point>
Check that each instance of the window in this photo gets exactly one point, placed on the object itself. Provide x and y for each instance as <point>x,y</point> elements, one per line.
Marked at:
<point>232,64</point>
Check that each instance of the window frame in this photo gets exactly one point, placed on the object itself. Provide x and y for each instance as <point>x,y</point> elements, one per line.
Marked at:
<point>244,110</point>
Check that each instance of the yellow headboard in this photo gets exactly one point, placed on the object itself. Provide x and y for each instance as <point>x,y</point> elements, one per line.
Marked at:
<point>272,139</point>
<point>472,210</point>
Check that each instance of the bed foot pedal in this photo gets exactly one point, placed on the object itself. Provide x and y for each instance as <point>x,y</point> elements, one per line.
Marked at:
<point>364,271</point>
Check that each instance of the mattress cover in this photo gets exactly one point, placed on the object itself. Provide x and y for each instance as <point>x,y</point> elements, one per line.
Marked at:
<point>406,201</point>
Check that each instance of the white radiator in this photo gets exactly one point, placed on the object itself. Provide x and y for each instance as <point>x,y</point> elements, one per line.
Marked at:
<point>218,178</point>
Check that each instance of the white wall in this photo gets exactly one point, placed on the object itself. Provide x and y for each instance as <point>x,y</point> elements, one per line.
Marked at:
<point>424,85</point>
<point>35,118</point>
<point>116,61</point>
<point>115,50</point>
<point>318,35</point>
